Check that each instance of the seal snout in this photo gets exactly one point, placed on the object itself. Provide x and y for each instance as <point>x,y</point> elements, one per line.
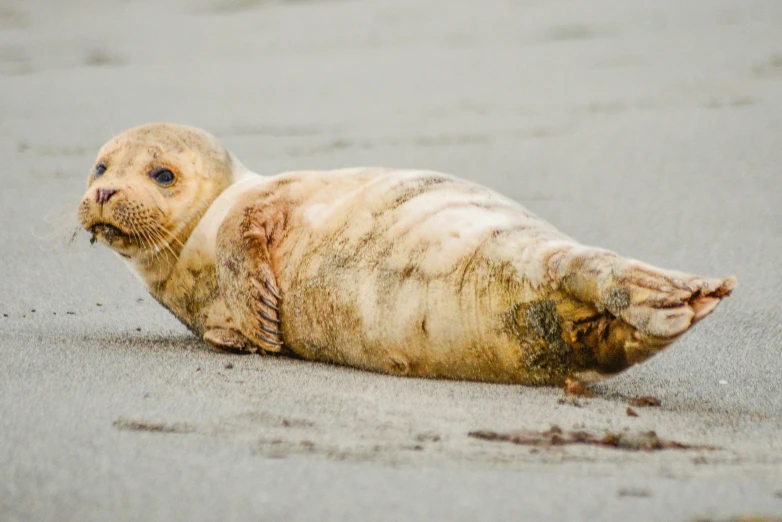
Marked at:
<point>103,195</point>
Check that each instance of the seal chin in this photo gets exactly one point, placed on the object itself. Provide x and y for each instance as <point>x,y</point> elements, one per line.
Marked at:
<point>112,236</point>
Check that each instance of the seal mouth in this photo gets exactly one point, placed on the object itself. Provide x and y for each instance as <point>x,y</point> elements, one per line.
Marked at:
<point>110,233</point>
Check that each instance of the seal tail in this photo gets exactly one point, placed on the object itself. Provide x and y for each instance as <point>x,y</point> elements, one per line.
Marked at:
<point>618,312</point>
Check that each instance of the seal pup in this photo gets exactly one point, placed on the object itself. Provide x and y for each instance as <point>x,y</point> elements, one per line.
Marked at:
<point>405,272</point>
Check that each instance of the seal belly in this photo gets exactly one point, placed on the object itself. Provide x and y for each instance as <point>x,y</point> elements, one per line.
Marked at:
<point>417,278</point>
<point>421,274</point>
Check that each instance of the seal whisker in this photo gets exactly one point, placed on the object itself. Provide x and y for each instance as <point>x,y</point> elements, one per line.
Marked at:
<point>146,240</point>
<point>149,243</point>
<point>161,242</point>
<point>155,247</point>
<point>165,255</point>
<point>168,235</point>
<point>63,229</point>
<point>172,236</point>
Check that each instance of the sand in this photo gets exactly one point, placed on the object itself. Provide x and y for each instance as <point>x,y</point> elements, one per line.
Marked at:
<point>651,128</point>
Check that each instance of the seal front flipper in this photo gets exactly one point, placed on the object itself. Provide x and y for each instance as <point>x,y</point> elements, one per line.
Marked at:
<point>227,339</point>
<point>245,277</point>
<point>623,311</point>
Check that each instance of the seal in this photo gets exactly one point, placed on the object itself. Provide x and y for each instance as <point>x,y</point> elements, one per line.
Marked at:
<point>405,272</point>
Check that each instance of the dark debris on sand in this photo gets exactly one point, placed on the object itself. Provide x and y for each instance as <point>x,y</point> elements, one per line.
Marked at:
<point>645,401</point>
<point>140,425</point>
<point>555,436</point>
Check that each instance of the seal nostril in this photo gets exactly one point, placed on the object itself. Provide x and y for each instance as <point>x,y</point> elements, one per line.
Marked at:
<point>103,195</point>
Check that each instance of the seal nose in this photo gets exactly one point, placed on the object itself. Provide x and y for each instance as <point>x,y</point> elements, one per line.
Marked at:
<point>103,195</point>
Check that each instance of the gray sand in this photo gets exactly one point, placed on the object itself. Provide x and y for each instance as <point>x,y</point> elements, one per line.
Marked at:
<point>651,128</point>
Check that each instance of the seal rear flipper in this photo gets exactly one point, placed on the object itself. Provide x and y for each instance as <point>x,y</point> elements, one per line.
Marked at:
<point>245,277</point>
<point>627,311</point>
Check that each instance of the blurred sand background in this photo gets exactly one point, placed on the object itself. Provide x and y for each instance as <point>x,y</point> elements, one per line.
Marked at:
<point>651,128</point>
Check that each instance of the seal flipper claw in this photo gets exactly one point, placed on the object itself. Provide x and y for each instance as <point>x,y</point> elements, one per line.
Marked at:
<point>271,289</point>
<point>269,304</point>
<point>270,341</point>
<point>270,330</point>
<point>268,317</point>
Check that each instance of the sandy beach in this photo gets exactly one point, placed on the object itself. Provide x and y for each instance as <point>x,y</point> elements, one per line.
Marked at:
<point>650,128</point>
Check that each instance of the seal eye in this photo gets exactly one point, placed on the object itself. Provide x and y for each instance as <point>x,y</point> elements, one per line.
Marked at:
<point>162,176</point>
<point>100,168</point>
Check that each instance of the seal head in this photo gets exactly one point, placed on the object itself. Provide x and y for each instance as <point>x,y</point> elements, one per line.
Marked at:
<point>149,188</point>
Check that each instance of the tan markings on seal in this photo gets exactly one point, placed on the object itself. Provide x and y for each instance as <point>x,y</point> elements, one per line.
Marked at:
<point>405,272</point>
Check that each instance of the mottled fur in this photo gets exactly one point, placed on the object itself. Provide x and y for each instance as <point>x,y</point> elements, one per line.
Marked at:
<point>406,272</point>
